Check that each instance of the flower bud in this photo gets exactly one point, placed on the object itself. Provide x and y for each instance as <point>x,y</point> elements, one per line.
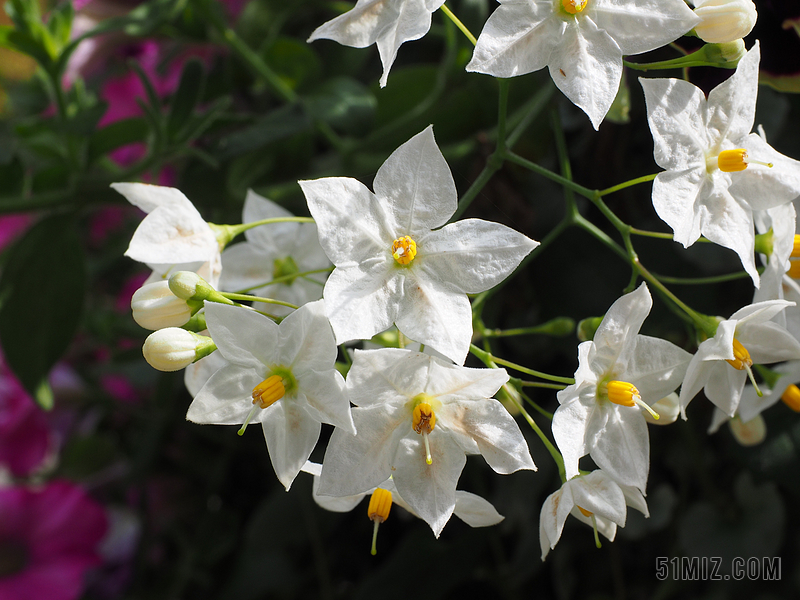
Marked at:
<point>194,289</point>
<point>172,348</point>
<point>724,20</point>
<point>724,55</point>
<point>155,307</point>
<point>668,408</point>
<point>751,433</point>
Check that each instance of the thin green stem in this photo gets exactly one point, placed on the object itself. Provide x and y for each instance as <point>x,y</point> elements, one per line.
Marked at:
<point>559,460</point>
<point>486,356</point>
<point>652,234</point>
<point>523,162</point>
<point>626,184</point>
<point>701,280</point>
<point>285,278</point>
<point>228,232</point>
<point>249,298</point>
<point>459,24</point>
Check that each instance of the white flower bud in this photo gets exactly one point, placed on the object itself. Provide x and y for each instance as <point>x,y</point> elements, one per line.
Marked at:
<point>724,20</point>
<point>668,409</point>
<point>155,307</point>
<point>751,433</point>
<point>172,348</point>
<point>184,284</point>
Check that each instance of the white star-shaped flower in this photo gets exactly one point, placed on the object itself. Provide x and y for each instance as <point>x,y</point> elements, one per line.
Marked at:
<point>392,263</point>
<point>173,236</point>
<point>385,23</point>
<point>273,251</point>
<point>582,42</point>
<point>721,363</point>
<point>417,419</point>
<point>619,373</point>
<point>717,171</point>
<point>281,376</point>
<point>595,499</point>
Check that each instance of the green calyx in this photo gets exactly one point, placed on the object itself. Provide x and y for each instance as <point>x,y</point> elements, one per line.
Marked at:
<point>285,269</point>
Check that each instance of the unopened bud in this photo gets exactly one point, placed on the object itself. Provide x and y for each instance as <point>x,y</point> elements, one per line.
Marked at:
<point>154,307</point>
<point>726,55</point>
<point>172,349</point>
<point>751,433</point>
<point>668,409</point>
<point>194,289</point>
<point>588,327</point>
<point>724,20</point>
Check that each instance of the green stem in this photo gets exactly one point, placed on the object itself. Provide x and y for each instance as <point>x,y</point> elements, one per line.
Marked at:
<point>226,233</point>
<point>652,234</point>
<point>284,278</point>
<point>486,356</point>
<point>559,460</point>
<point>622,186</point>
<point>254,61</point>
<point>249,298</point>
<point>459,24</point>
<point>583,191</point>
<point>702,280</point>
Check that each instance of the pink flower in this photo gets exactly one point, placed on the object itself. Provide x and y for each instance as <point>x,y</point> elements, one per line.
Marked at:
<point>24,431</point>
<point>48,540</point>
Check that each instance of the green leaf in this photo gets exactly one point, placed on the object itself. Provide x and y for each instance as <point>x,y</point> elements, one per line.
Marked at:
<point>277,125</point>
<point>294,62</point>
<point>186,97</point>
<point>41,299</point>
<point>116,135</point>
<point>344,103</point>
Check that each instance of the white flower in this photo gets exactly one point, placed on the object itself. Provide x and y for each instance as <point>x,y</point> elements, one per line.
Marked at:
<point>619,373</point>
<point>470,508</point>
<point>721,363</point>
<point>417,419</point>
<point>173,236</point>
<point>724,20</point>
<point>272,251</point>
<point>596,499</point>
<point>385,23</point>
<point>582,42</point>
<point>392,266</point>
<point>282,376</point>
<point>172,348</point>
<point>715,175</point>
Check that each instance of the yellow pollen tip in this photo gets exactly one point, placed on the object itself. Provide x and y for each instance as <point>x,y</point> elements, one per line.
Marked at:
<point>573,7</point>
<point>741,357</point>
<point>269,391</point>
<point>791,397</point>
<point>404,250</point>
<point>380,503</point>
<point>794,269</point>
<point>423,418</point>
<point>623,393</point>
<point>736,160</point>
<point>585,513</point>
<point>796,247</point>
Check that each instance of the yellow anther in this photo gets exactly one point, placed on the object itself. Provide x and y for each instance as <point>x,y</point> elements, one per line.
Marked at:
<point>573,7</point>
<point>791,397</point>
<point>622,392</point>
<point>423,418</point>
<point>796,247</point>
<point>585,513</point>
<point>380,503</point>
<point>404,250</point>
<point>736,160</point>
<point>741,357</point>
<point>379,506</point>
<point>269,391</point>
<point>626,394</point>
<point>794,269</point>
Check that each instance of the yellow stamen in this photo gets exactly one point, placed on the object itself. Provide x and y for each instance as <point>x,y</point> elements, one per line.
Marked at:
<point>626,394</point>
<point>573,7</point>
<point>404,250</point>
<point>269,391</point>
<point>736,160</point>
<point>794,269</point>
<point>741,357</point>
<point>380,503</point>
<point>585,513</point>
<point>423,420</point>
<point>791,397</point>
<point>743,362</point>
<point>265,394</point>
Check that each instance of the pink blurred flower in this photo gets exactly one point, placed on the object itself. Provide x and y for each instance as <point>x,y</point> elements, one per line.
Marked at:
<point>12,226</point>
<point>48,540</point>
<point>24,430</point>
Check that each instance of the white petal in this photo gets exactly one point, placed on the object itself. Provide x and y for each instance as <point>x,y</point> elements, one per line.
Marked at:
<point>732,104</point>
<point>361,26</point>
<point>497,434</point>
<point>354,226</point>
<point>476,511</point>
<point>326,398</point>
<point>361,301</point>
<point>226,398</point>
<point>387,376</point>
<point>245,266</point>
<point>433,314</point>
<point>243,336</point>
<point>148,197</point>
<point>551,520</point>
<point>518,38</point>
<point>724,385</point>
<point>413,21</point>
<point>619,443</point>
<point>473,255</point>
<point>768,343</point>
<point>291,434</point>
<point>587,66</point>
<point>569,430</point>
<point>306,340</point>
<point>448,382</point>
<point>615,338</point>
<point>174,233</point>
<point>198,373</point>
<point>258,208</point>
<point>599,494</point>
<point>430,490</point>
<point>657,368</point>
<point>415,182</point>
<point>677,196</point>
<point>764,187</point>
